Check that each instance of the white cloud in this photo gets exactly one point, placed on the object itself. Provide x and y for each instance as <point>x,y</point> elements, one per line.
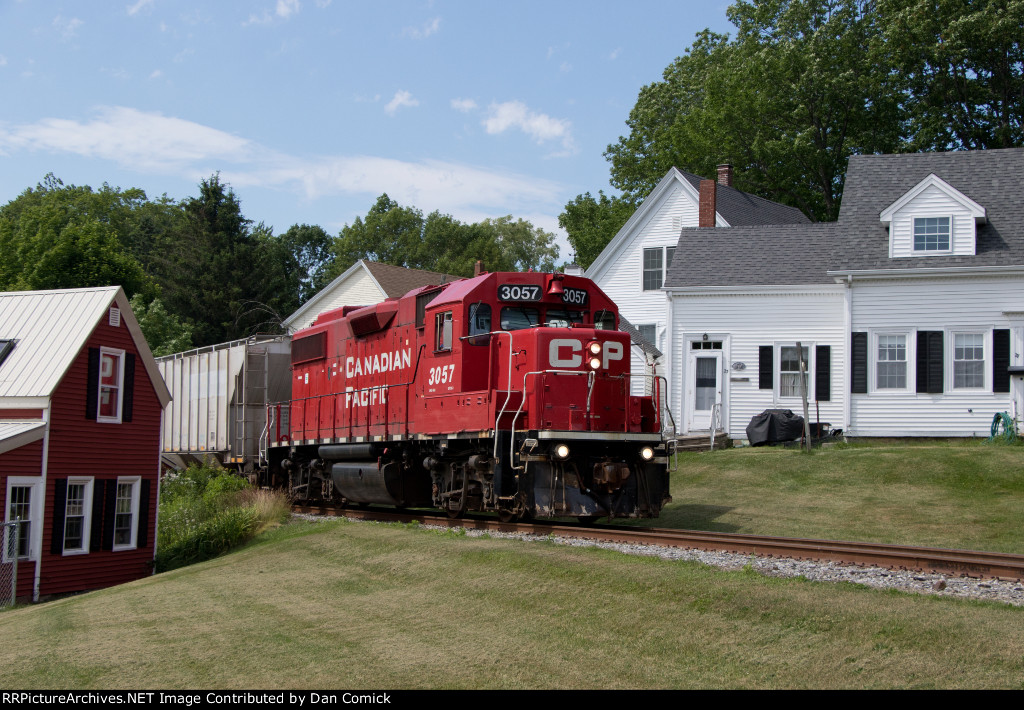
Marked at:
<point>323,3</point>
<point>156,74</point>
<point>615,53</point>
<point>429,28</point>
<point>68,28</point>
<point>3,61</point>
<point>157,144</point>
<point>464,105</point>
<point>539,126</point>
<point>402,98</point>
<point>131,138</point>
<point>132,9</point>
<point>265,19</point>
<point>286,8</point>
<point>565,67</point>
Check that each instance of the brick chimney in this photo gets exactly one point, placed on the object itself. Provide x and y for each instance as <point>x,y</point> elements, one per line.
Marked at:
<point>725,174</point>
<point>478,268</point>
<point>707,204</point>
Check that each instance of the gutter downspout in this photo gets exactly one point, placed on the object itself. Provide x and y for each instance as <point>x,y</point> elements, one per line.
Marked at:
<point>848,355</point>
<point>48,412</point>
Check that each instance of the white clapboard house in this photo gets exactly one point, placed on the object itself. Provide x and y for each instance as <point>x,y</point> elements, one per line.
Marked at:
<point>909,308</point>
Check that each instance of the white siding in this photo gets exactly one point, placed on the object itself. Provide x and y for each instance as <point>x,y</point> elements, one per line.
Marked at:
<point>622,277</point>
<point>746,321</point>
<point>949,305</point>
<point>932,202</point>
<point>357,290</point>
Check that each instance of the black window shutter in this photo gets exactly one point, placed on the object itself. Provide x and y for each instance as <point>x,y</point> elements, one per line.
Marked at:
<point>96,527</point>
<point>765,367</point>
<point>859,363</point>
<point>929,361</point>
<point>1000,360</point>
<point>92,392</point>
<point>129,388</point>
<point>60,497</point>
<point>142,531</point>
<point>109,505</point>
<point>823,373</point>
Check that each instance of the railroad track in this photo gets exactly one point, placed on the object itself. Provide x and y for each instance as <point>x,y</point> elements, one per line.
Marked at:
<point>961,563</point>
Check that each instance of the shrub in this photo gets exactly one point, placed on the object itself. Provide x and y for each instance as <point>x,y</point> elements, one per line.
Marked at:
<point>205,511</point>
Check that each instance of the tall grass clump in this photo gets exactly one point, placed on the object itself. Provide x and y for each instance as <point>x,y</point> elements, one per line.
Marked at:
<point>205,511</point>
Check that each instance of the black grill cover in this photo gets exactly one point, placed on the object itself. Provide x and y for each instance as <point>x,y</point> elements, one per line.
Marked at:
<point>774,425</point>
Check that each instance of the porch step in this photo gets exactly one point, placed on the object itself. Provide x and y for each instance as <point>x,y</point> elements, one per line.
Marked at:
<point>701,442</point>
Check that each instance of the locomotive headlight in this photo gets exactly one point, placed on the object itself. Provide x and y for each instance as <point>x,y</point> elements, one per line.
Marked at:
<point>562,452</point>
<point>647,453</point>
<point>595,348</point>
<point>595,363</point>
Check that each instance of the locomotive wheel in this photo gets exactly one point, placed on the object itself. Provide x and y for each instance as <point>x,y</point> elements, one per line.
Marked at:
<point>455,514</point>
<point>508,516</point>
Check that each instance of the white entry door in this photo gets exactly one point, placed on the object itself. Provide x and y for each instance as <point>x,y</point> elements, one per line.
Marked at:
<point>703,389</point>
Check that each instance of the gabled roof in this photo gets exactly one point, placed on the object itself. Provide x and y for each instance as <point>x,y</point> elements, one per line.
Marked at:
<point>933,180</point>
<point>859,241</point>
<point>51,327</point>
<point>397,281</point>
<point>733,208</point>
<point>391,281</point>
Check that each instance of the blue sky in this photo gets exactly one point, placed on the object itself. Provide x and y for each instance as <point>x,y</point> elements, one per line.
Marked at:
<point>312,108</point>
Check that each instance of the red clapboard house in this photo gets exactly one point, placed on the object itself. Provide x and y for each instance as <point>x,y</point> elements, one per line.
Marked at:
<point>80,409</point>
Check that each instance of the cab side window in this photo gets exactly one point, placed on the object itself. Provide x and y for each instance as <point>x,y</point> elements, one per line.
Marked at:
<point>479,323</point>
<point>443,340</point>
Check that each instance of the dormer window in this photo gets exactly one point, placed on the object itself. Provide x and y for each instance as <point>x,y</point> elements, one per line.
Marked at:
<point>933,219</point>
<point>931,234</point>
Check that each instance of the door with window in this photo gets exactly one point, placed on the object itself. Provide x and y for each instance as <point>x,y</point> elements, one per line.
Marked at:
<point>704,384</point>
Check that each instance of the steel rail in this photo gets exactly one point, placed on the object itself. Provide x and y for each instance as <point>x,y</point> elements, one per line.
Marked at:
<point>961,563</point>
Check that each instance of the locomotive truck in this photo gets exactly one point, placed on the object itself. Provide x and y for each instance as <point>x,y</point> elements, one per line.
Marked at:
<point>505,392</point>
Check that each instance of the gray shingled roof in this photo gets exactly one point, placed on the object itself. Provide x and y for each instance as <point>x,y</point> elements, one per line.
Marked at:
<point>398,280</point>
<point>804,253</point>
<point>740,209</point>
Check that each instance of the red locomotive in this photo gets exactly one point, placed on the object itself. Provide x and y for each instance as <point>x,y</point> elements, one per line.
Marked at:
<point>506,392</point>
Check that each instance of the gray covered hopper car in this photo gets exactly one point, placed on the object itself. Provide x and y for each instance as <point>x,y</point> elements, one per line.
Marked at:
<point>219,396</point>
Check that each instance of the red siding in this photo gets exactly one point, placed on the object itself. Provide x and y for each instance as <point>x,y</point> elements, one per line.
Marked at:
<point>84,447</point>
<point>26,460</point>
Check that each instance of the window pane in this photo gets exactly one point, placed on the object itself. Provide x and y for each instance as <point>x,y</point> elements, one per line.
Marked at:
<point>789,371</point>
<point>653,268</point>
<point>123,514</point>
<point>969,360</point>
<point>891,370</point>
<point>20,511</point>
<point>931,234</point>
<point>517,317</point>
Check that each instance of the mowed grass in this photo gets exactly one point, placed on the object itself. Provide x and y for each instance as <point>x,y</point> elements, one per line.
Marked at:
<point>349,605</point>
<point>965,495</point>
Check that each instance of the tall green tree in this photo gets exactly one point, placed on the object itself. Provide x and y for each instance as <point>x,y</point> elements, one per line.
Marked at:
<point>208,274</point>
<point>309,258</point>
<point>787,102</point>
<point>962,67</point>
<point>394,234</point>
<point>58,236</point>
<point>591,223</point>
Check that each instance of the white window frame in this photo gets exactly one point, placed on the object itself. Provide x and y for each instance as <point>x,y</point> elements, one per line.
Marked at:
<point>910,339</point>
<point>136,483</point>
<point>654,326</point>
<point>930,252</point>
<point>120,354</point>
<point>777,366</point>
<point>665,261</point>
<point>986,361</point>
<point>87,481</point>
<point>35,511</point>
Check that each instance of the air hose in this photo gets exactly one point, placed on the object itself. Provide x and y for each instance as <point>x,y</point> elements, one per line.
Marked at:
<point>1004,421</point>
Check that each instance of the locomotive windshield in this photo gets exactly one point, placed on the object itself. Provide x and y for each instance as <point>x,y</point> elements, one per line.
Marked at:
<point>562,318</point>
<point>519,317</point>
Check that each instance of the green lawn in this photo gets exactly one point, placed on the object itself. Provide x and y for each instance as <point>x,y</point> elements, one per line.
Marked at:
<point>958,495</point>
<point>350,605</point>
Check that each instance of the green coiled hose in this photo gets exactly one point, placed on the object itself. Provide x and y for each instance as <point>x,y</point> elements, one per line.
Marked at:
<point>1005,421</point>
